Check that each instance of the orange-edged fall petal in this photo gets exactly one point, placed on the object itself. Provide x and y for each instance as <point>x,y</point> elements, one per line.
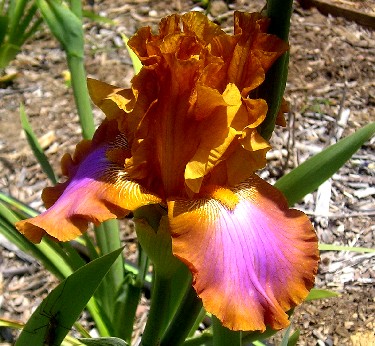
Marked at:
<point>97,189</point>
<point>251,257</point>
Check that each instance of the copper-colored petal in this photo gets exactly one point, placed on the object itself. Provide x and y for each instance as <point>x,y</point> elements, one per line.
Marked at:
<point>255,52</point>
<point>112,100</point>
<point>187,110</point>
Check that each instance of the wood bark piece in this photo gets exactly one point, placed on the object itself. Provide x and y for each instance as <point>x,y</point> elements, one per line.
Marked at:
<point>328,7</point>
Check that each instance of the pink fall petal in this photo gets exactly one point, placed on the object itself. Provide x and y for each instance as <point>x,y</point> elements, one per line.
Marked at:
<point>251,257</point>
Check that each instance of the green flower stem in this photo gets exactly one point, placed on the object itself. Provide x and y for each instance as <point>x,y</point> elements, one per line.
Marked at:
<point>127,301</point>
<point>112,239</point>
<point>156,322</point>
<point>103,294</point>
<point>107,237</point>
<point>155,240</point>
<point>184,320</point>
<point>224,336</point>
<point>81,95</point>
<point>66,26</point>
<point>126,307</point>
<point>272,89</point>
<point>279,12</point>
<point>143,264</point>
<point>171,280</point>
<point>180,284</point>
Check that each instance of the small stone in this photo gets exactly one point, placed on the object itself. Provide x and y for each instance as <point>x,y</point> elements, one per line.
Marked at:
<point>118,41</point>
<point>153,13</point>
<point>218,7</point>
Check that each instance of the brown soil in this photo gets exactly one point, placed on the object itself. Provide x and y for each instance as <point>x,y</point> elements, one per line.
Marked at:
<point>331,74</point>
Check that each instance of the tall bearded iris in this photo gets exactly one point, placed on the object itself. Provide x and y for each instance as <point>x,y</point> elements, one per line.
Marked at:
<point>185,136</point>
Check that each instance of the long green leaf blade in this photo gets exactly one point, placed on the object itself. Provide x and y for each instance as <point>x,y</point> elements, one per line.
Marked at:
<point>44,252</point>
<point>3,28</point>
<point>293,339</point>
<point>52,320</point>
<point>308,176</point>
<point>65,26</point>
<point>15,12</point>
<point>35,147</point>
<point>317,293</point>
<point>284,341</point>
<point>137,64</point>
<point>31,30</point>
<point>8,51</point>
<point>97,18</point>
<point>330,247</point>
<point>103,341</point>
<point>10,324</point>
<point>18,207</point>
<point>23,24</point>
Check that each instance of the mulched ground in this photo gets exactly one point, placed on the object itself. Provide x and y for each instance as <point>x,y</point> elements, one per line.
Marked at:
<point>331,89</point>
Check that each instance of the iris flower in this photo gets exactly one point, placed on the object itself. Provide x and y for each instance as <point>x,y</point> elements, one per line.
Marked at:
<point>185,136</point>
